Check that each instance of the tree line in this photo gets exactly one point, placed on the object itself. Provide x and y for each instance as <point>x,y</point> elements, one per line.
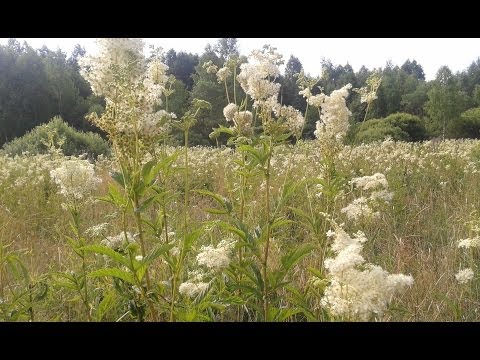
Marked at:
<point>36,85</point>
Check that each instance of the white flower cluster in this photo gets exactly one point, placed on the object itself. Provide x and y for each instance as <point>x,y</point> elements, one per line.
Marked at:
<point>210,67</point>
<point>99,70</point>
<point>118,241</point>
<point>229,111</point>
<point>313,100</point>
<point>223,74</point>
<point>132,86</point>
<point>195,285</point>
<point>356,288</point>
<point>473,242</point>
<point>97,230</point>
<point>369,93</point>
<point>256,77</point>
<point>334,116</point>
<point>361,207</point>
<point>216,257</point>
<point>293,118</point>
<point>148,124</point>
<point>192,289</point>
<point>242,119</point>
<point>374,181</point>
<point>464,275</point>
<point>76,178</point>
<point>213,259</point>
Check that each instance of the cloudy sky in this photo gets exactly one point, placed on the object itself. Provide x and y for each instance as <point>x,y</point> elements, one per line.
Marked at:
<point>371,52</point>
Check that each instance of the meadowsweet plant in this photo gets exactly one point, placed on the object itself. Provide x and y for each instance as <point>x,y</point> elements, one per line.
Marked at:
<point>368,94</point>
<point>133,88</point>
<point>469,247</point>
<point>189,235</point>
<point>76,180</point>
<point>357,289</point>
<point>373,191</point>
<point>19,292</point>
<point>331,129</point>
<point>259,124</point>
<point>134,119</point>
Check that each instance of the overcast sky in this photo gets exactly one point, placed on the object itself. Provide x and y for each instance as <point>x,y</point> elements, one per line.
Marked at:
<point>457,54</point>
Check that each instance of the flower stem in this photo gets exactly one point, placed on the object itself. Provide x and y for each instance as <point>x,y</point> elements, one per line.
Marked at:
<point>267,245</point>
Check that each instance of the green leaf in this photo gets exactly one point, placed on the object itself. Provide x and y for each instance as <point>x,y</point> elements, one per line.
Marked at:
<point>233,229</point>
<point>294,256</point>
<point>257,278</point>
<point>280,222</point>
<point>316,272</point>
<point>114,196</point>
<point>42,293</point>
<point>118,177</point>
<point>310,223</point>
<point>147,173</point>
<point>106,304</point>
<point>219,199</point>
<point>284,314</point>
<point>66,281</point>
<point>114,272</point>
<point>158,251</point>
<point>146,204</point>
<point>257,155</point>
<point>191,238</point>
<point>17,267</point>
<point>298,299</point>
<point>234,300</point>
<point>112,254</point>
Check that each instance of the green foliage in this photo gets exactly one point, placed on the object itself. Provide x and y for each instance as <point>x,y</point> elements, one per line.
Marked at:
<point>410,124</point>
<point>182,66</point>
<point>400,127</point>
<point>468,125</point>
<point>446,101</point>
<point>73,142</point>
<point>36,85</point>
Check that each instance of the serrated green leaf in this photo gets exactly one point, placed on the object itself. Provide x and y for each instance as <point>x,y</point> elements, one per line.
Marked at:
<point>284,314</point>
<point>280,222</point>
<point>116,197</point>
<point>42,293</point>
<point>114,272</point>
<point>104,250</point>
<point>147,173</point>
<point>106,304</point>
<point>289,260</point>
<point>118,177</point>
<point>158,251</point>
<point>316,272</point>
<point>143,206</point>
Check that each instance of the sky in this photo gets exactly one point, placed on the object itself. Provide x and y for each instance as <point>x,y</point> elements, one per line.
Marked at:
<point>431,53</point>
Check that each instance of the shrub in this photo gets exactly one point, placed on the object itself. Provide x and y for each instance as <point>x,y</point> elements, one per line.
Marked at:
<point>468,125</point>
<point>72,142</point>
<point>399,126</point>
<point>410,124</point>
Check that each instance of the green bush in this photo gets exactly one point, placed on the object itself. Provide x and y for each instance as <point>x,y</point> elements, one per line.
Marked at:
<point>399,126</point>
<point>468,125</point>
<point>59,134</point>
<point>377,130</point>
<point>410,124</point>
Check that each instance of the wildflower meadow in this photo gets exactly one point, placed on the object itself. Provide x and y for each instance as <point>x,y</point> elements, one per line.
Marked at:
<point>269,227</point>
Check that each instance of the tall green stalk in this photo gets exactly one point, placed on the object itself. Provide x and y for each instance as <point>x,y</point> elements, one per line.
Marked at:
<point>267,244</point>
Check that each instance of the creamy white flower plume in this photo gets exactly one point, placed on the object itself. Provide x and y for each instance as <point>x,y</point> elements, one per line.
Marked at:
<point>464,275</point>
